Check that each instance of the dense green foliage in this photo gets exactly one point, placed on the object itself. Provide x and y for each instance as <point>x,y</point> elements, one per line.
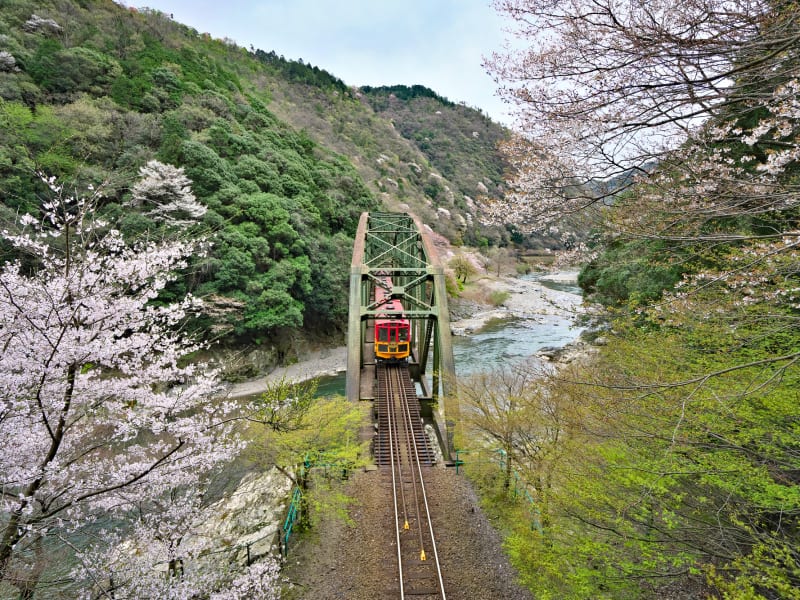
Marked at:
<point>668,465</point>
<point>355,123</point>
<point>315,436</point>
<point>404,93</point>
<point>676,481</point>
<point>101,90</point>
<point>631,273</point>
<point>300,72</point>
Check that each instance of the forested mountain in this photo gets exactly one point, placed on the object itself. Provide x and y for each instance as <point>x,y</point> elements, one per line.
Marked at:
<point>460,142</point>
<point>281,154</point>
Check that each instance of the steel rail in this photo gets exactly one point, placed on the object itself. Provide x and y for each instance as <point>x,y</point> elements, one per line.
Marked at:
<point>410,442</point>
<point>389,404</point>
<point>424,500</point>
<point>400,424</point>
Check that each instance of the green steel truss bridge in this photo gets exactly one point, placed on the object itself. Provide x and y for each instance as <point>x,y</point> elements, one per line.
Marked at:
<point>395,244</point>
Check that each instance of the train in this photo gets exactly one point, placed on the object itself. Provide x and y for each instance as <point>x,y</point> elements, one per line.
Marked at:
<point>392,331</point>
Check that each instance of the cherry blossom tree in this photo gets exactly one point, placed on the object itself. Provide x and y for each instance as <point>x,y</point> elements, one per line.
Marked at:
<point>169,552</point>
<point>167,189</point>
<point>606,92</point>
<point>678,123</point>
<point>106,433</point>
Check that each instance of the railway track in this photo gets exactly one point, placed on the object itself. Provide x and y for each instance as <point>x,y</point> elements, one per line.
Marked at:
<point>405,452</point>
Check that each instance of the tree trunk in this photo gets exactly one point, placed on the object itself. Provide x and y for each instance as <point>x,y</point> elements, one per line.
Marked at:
<point>507,472</point>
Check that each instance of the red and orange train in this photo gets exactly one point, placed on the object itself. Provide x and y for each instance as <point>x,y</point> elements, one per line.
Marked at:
<point>392,329</point>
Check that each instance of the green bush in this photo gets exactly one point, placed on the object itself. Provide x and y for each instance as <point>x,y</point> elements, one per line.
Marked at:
<point>631,273</point>
<point>498,297</point>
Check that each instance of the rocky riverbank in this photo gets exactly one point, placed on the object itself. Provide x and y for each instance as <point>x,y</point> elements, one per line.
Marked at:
<point>527,299</point>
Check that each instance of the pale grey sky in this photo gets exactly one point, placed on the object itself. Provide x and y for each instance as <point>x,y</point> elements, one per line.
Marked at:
<point>436,43</point>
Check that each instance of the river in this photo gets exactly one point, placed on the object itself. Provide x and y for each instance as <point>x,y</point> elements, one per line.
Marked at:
<point>503,341</point>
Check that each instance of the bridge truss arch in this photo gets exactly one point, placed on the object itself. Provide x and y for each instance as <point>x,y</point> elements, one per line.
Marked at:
<point>396,244</point>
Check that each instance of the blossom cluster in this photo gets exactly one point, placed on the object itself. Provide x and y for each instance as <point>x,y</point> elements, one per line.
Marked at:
<point>101,416</point>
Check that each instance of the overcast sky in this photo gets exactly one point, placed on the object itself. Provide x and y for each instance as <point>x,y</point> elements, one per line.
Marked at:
<point>436,43</point>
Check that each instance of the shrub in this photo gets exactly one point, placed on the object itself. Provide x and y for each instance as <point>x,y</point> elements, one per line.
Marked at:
<point>498,297</point>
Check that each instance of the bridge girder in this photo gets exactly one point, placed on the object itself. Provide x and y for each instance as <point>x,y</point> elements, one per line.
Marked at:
<point>396,243</point>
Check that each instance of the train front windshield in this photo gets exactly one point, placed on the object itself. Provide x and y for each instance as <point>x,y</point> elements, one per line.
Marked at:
<point>393,332</point>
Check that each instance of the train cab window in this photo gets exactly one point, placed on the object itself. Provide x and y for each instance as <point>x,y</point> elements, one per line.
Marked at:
<point>383,334</point>
<point>402,334</point>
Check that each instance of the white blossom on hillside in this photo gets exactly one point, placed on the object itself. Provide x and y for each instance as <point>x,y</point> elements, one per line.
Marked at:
<point>7,61</point>
<point>168,190</point>
<point>37,23</point>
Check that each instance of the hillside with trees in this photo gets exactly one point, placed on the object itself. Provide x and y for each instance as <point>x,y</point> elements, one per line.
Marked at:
<point>281,156</point>
<point>459,142</point>
<point>93,94</point>
<point>447,189</point>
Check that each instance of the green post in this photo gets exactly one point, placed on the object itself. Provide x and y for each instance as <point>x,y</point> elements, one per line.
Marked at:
<point>458,462</point>
<point>354,333</point>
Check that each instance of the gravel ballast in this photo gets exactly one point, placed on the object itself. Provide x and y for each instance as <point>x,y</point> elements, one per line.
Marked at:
<point>358,561</point>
